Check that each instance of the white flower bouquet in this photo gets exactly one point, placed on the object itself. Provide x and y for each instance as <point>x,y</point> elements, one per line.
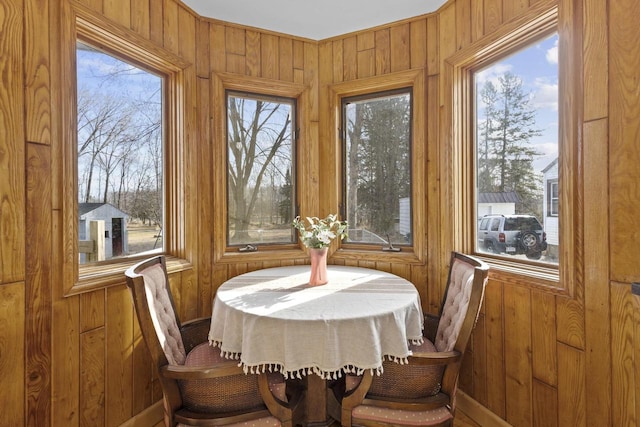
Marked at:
<point>318,233</point>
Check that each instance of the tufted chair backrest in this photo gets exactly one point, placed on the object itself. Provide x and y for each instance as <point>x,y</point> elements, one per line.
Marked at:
<point>456,303</point>
<point>163,315</point>
<point>156,308</point>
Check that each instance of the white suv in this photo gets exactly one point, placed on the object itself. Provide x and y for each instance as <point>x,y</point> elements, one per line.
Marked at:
<point>512,234</point>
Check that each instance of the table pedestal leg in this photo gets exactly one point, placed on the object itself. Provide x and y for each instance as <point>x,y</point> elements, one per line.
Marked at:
<point>316,402</point>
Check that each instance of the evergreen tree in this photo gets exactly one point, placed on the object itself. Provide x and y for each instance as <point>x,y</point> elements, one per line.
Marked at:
<point>505,153</point>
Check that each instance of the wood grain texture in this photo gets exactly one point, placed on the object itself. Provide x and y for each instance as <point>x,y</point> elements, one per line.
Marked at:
<point>37,75</point>
<point>571,387</point>
<point>517,347</point>
<point>596,61</point>
<point>12,345</point>
<point>119,361</point>
<point>624,134</point>
<point>12,158</point>
<point>92,378</point>
<point>595,375</point>
<point>623,338</point>
<point>597,293</point>
<point>38,291</point>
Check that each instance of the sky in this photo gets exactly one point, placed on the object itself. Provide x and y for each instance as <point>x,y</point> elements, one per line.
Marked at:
<point>537,66</point>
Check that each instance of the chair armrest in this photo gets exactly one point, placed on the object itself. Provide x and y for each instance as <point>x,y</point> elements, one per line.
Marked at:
<point>435,357</point>
<point>222,369</point>
<point>286,412</point>
<point>431,322</point>
<point>195,332</point>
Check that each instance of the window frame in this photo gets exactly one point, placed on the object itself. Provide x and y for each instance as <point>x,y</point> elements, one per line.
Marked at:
<point>372,96</point>
<point>414,79</point>
<point>222,83</point>
<point>293,101</point>
<point>540,21</point>
<point>552,184</point>
<point>89,28</point>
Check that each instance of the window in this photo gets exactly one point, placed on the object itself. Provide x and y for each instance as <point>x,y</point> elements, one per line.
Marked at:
<point>377,167</point>
<point>552,198</point>
<point>119,156</point>
<point>124,114</point>
<point>261,169</point>
<point>516,143</point>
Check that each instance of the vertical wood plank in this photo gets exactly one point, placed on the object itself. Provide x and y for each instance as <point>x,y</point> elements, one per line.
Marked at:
<point>37,96</point>
<point>624,133</point>
<point>12,345</point>
<point>119,362</point>
<point>202,49</point>
<point>118,11</point>
<point>92,310</point>
<point>186,36</point>
<point>383,51</point>
<point>235,40</point>
<point>285,59</point>
<point>479,342</point>
<point>65,347</point>
<point>477,19</point>
<point>350,59</point>
<point>446,47</point>
<point>38,285</point>
<point>596,278</point>
<point>92,378</point>
<point>143,373</point>
<point>545,405</point>
<point>365,40</point>
<point>12,172</point>
<point>494,324</point>
<point>170,25</point>
<point>596,76</point>
<point>543,338</point>
<point>571,387</point>
<point>217,47</point>
<point>401,52</point>
<point>205,198</point>
<point>366,63</point>
<point>338,61</point>
<point>433,51</point>
<point>517,347</point>
<point>141,17</point>
<point>492,15</point>
<point>269,56</point>
<point>418,43</point>
<point>253,53</point>
<point>623,372</point>
<point>463,23</point>
<point>156,23</point>
<point>513,8</point>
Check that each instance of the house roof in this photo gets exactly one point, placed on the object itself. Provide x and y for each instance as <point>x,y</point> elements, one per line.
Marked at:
<point>85,208</point>
<point>507,197</point>
<point>313,19</point>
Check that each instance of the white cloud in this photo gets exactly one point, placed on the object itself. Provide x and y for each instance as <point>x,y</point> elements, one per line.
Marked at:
<point>492,73</point>
<point>546,94</point>
<point>552,53</point>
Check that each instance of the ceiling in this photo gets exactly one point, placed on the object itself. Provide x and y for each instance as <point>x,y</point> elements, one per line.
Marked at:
<point>312,19</point>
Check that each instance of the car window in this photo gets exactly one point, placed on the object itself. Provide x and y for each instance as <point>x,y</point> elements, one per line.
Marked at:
<point>484,223</point>
<point>495,224</point>
<point>523,223</point>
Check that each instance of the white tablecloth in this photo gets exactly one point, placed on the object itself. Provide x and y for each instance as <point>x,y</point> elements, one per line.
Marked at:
<point>273,320</point>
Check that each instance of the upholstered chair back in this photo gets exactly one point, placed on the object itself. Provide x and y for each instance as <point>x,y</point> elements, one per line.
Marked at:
<point>163,313</point>
<point>454,308</point>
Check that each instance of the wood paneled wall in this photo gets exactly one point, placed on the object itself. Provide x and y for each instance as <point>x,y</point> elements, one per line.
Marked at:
<point>537,358</point>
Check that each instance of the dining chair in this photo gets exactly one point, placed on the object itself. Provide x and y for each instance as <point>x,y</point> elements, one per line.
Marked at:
<point>199,386</point>
<point>422,391</point>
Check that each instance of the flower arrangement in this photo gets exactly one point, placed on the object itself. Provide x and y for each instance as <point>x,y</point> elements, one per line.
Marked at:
<point>319,233</point>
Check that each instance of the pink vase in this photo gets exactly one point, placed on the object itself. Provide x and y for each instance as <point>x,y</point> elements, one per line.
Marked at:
<point>318,266</point>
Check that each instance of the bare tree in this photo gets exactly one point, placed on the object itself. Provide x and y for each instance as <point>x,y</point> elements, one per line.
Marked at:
<point>257,131</point>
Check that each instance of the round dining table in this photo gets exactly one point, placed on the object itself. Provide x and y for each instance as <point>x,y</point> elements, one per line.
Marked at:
<point>273,320</point>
